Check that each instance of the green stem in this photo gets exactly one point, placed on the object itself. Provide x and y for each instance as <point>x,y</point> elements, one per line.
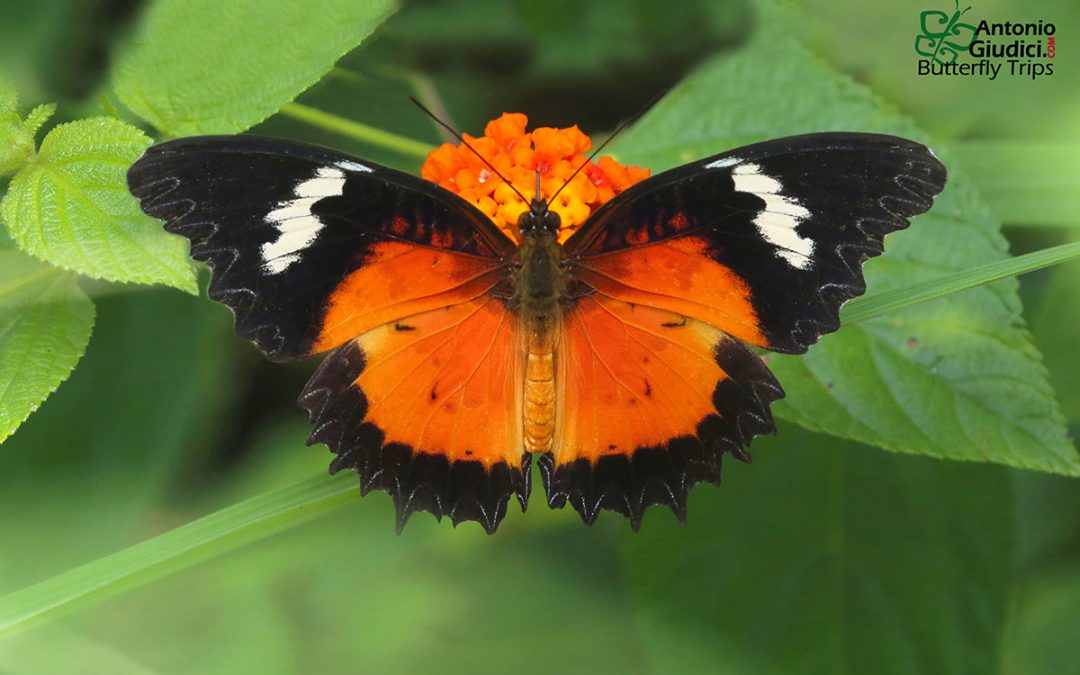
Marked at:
<point>347,75</point>
<point>888,302</point>
<point>175,550</point>
<point>356,130</point>
<point>274,511</point>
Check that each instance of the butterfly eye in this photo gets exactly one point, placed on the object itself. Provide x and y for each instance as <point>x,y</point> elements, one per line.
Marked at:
<point>526,221</point>
<point>551,222</point>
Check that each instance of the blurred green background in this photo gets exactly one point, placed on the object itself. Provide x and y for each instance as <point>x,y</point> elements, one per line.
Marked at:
<point>823,556</point>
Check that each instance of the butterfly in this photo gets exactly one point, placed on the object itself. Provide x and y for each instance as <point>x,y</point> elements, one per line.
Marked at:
<point>622,356</point>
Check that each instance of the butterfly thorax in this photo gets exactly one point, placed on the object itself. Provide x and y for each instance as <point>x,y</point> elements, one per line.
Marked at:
<point>539,290</point>
<point>540,284</point>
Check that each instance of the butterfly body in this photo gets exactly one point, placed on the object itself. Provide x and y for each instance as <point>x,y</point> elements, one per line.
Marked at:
<point>539,296</point>
<point>621,356</point>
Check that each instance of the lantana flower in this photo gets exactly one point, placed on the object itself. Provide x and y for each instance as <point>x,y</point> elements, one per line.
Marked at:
<point>518,154</point>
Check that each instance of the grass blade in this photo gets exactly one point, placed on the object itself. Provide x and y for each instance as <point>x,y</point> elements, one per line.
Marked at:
<point>212,535</point>
<point>879,304</point>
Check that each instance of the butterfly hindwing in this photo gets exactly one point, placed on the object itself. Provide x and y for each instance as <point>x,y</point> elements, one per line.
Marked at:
<point>314,250</point>
<point>763,244</point>
<point>447,381</point>
<point>301,238</point>
<point>651,401</point>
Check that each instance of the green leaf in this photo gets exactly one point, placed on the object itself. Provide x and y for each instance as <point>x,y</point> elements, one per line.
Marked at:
<point>827,557</point>
<point>45,324</point>
<point>209,67</point>
<point>17,135</point>
<point>71,208</point>
<point>17,138</point>
<point>956,379</point>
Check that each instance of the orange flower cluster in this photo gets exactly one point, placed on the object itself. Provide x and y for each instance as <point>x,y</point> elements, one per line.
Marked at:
<point>518,155</point>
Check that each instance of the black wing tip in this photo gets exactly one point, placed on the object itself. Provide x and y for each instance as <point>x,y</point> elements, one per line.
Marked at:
<point>464,490</point>
<point>919,178</point>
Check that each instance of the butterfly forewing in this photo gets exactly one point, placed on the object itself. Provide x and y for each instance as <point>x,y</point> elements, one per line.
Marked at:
<point>284,225</point>
<point>776,233</point>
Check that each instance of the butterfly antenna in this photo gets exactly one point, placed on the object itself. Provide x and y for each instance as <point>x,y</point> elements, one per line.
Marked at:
<point>464,142</point>
<point>625,123</point>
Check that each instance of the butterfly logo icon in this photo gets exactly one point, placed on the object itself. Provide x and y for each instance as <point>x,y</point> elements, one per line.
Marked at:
<point>943,36</point>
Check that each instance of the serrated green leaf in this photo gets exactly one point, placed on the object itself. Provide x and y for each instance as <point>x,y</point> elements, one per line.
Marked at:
<point>71,208</point>
<point>209,67</point>
<point>958,378</point>
<point>17,135</point>
<point>38,117</point>
<point>45,324</point>
<point>827,557</point>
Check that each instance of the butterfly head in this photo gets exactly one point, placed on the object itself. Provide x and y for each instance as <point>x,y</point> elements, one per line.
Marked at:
<point>539,219</point>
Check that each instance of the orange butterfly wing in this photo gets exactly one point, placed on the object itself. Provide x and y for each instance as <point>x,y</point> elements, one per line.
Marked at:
<point>399,279</point>
<point>677,275</point>
<point>429,408</point>
<point>650,401</point>
<point>314,250</point>
<point>760,245</point>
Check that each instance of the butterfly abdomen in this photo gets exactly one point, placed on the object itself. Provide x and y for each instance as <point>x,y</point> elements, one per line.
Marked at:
<point>539,409</point>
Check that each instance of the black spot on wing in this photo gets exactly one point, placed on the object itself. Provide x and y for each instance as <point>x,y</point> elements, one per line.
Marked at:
<point>417,481</point>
